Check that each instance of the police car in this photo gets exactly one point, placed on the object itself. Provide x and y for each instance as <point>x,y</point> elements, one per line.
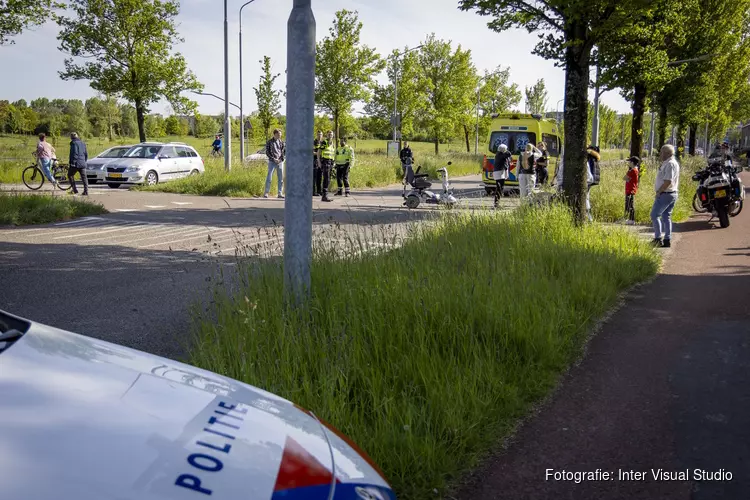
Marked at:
<point>86,419</point>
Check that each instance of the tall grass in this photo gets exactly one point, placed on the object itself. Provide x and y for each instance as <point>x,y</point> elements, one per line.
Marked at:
<point>608,198</point>
<point>23,209</point>
<point>427,356</point>
<point>369,170</point>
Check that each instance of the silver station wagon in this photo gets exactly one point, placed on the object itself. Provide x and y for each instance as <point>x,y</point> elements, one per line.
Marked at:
<point>153,162</point>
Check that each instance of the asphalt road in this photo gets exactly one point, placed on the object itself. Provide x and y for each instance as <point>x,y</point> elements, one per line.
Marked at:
<point>664,385</point>
<point>132,276</point>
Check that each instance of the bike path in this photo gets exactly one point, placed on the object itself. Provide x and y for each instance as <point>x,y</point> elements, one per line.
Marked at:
<point>665,385</point>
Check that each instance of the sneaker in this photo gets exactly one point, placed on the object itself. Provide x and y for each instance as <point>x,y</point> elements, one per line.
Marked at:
<point>85,193</point>
<point>326,199</point>
<point>338,193</point>
<point>265,195</point>
<point>630,223</point>
<point>657,242</point>
<point>667,243</point>
<point>281,196</point>
<point>347,194</point>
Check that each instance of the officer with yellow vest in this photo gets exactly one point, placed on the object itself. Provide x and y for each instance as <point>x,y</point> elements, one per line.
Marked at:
<point>317,174</point>
<point>344,161</point>
<point>326,155</point>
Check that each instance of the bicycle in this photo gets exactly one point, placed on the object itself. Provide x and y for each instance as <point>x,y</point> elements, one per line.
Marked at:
<point>33,177</point>
<point>215,153</point>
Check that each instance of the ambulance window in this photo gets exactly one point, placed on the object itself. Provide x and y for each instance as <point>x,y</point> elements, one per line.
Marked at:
<point>516,141</point>
<point>553,144</point>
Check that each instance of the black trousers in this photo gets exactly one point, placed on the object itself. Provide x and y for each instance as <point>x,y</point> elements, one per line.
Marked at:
<point>499,190</point>
<point>630,206</point>
<point>75,170</point>
<point>326,167</point>
<point>542,175</point>
<point>342,176</point>
<point>317,178</point>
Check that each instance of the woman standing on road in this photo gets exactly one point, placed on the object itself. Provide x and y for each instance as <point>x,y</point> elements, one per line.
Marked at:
<point>500,173</point>
<point>527,170</point>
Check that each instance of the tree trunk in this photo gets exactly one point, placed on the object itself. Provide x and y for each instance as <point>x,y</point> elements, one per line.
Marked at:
<point>466,133</point>
<point>141,117</point>
<point>662,125</point>
<point>577,61</point>
<point>437,144</point>
<point>693,130</point>
<point>336,128</point>
<point>680,139</point>
<point>636,129</point>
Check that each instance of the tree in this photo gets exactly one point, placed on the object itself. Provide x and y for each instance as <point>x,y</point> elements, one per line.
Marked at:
<point>571,29</point>
<point>18,15</point>
<point>126,50</point>
<point>155,126</point>
<point>75,118</point>
<point>128,121</point>
<point>344,68</point>
<point>206,126</point>
<point>176,126</point>
<point>496,95</point>
<point>536,97</point>
<point>450,82</point>
<point>104,115</point>
<point>269,100</point>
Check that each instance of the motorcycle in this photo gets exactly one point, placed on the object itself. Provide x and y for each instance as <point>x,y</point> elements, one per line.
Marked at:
<point>420,191</point>
<point>720,190</point>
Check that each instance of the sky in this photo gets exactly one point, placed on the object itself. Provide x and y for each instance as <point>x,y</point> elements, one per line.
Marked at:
<point>35,60</point>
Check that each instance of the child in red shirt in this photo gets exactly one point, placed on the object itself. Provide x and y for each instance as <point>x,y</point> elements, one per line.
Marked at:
<point>631,188</point>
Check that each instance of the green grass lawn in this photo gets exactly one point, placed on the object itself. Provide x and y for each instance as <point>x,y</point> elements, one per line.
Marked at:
<point>428,355</point>
<point>25,209</point>
<point>608,198</point>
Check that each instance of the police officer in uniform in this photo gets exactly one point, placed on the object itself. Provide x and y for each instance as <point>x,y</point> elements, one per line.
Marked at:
<point>344,161</point>
<point>317,174</point>
<point>326,155</point>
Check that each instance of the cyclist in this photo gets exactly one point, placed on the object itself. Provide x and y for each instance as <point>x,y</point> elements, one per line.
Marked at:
<point>217,145</point>
<point>44,154</point>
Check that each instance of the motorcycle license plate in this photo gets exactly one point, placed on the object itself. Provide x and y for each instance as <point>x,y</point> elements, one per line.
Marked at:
<point>720,193</point>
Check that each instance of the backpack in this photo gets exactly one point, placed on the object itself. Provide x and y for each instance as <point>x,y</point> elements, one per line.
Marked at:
<point>596,173</point>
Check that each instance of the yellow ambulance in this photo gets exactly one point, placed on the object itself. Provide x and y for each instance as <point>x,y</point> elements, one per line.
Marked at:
<point>515,130</point>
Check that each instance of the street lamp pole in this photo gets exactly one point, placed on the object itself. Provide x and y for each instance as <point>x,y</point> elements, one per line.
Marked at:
<point>300,112</point>
<point>242,115</point>
<point>557,111</point>
<point>595,121</point>
<point>227,118</point>
<point>214,95</point>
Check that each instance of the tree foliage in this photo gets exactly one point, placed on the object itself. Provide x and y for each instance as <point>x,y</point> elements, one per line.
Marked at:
<point>536,97</point>
<point>18,15</point>
<point>269,100</point>
<point>344,68</point>
<point>125,49</point>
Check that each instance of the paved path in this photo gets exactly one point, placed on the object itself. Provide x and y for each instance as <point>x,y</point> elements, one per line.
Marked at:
<point>665,385</point>
<point>131,276</point>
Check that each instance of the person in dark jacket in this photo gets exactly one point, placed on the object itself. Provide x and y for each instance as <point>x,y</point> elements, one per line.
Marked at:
<point>317,172</point>
<point>501,170</point>
<point>542,174</point>
<point>77,160</point>
<point>407,159</point>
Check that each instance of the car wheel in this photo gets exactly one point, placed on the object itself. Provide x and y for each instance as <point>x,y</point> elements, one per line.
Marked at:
<point>151,178</point>
<point>113,185</point>
<point>194,172</point>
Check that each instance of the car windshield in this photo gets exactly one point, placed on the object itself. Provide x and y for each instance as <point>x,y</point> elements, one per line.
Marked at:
<point>143,152</point>
<point>516,141</point>
<point>114,153</point>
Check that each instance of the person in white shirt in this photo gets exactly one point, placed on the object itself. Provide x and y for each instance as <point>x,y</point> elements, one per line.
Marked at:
<point>667,185</point>
<point>526,169</point>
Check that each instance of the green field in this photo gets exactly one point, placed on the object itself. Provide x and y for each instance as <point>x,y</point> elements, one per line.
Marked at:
<point>26,209</point>
<point>428,355</point>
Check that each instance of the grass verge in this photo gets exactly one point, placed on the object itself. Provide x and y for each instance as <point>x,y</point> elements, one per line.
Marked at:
<point>608,198</point>
<point>369,171</point>
<point>428,355</point>
<point>25,209</point>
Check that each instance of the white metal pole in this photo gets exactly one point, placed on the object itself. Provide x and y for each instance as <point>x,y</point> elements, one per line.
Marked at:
<point>476,141</point>
<point>651,140</point>
<point>227,118</point>
<point>300,112</point>
<point>242,114</point>
<point>595,121</point>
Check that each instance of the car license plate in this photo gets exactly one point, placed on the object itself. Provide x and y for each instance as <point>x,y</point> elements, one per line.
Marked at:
<point>115,176</point>
<point>720,193</point>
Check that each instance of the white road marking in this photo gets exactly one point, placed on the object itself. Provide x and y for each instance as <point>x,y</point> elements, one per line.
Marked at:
<point>126,209</point>
<point>193,237</point>
<point>182,203</point>
<point>171,232</point>
<point>122,227</point>
<point>82,220</point>
<point>155,206</point>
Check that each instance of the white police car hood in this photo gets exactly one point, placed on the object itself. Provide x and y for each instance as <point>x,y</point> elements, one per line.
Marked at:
<point>85,419</point>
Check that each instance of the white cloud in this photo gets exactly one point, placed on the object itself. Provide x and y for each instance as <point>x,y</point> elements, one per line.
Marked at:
<point>388,24</point>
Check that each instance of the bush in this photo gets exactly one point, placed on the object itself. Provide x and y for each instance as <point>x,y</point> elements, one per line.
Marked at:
<point>429,354</point>
<point>23,209</point>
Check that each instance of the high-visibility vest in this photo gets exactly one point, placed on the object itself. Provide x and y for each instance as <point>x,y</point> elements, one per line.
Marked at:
<point>327,151</point>
<point>344,155</point>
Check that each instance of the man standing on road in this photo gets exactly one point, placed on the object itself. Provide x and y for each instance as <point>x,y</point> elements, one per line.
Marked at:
<point>326,155</point>
<point>276,153</point>
<point>44,154</point>
<point>667,184</point>
<point>407,158</point>
<point>77,160</point>
<point>344,161</point>
<point>317,174</point>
